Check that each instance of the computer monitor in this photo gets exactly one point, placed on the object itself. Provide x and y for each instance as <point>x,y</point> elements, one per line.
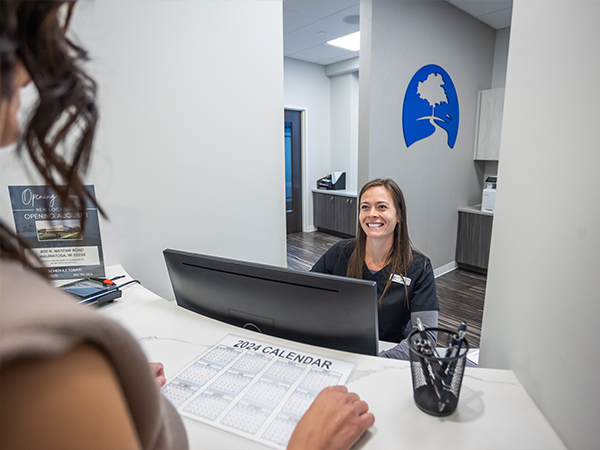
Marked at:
<point>324,310</point>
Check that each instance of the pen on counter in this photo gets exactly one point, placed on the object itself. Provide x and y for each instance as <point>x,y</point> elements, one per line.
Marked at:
<point>421,329</point>
<point>448,367</point>
<point>425,338</point>
<point>455,345</point>
<point>423,348</point>
<point>457,340</point>
<point>434,375</point>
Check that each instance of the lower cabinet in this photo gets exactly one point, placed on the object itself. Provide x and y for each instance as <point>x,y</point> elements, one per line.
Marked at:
<point>335,213</point>
<point>473,241</point>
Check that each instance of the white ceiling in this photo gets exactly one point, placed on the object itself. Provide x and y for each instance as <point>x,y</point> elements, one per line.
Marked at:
<point>309,24</point>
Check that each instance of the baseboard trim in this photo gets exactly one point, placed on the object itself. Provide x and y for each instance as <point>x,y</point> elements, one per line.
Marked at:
<point>445,269</point>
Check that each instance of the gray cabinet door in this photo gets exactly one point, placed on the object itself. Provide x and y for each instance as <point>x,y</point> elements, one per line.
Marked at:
<point>336,213</point>
<point>324,210</point>
<point>473,240</point>
<point>489,124</point>
<point>346,215</point>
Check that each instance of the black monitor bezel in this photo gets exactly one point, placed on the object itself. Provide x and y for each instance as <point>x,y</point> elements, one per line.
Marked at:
<point>348,330</point>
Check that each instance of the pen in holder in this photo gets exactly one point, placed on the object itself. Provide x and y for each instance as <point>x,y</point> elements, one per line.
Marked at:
<point>437,372</point>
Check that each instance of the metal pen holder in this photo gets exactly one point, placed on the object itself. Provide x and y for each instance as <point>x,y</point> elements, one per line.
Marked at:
<point>437,379</point>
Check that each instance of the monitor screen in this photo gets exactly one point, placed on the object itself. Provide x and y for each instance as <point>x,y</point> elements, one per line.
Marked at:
<point>324,310</point>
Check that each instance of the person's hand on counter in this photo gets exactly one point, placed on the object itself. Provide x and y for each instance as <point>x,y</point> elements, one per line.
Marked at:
<point>158,371</point>
<point>335,420</point>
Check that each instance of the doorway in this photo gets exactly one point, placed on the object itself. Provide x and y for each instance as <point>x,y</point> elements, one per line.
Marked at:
<point>293,172</point>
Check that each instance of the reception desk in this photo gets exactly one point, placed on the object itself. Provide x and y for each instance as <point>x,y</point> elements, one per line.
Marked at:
<point>494,411</point>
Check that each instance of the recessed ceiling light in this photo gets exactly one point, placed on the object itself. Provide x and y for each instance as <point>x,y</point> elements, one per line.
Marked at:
<point>353,19</point>
<point>349,42</point>
<point>321,33</point>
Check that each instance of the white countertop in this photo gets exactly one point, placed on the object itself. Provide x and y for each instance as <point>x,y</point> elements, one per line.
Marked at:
<point>475,209</point>
<point>494,410</point>
<point>342,192</point>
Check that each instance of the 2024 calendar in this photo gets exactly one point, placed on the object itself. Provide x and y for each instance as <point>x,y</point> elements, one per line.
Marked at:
<point>253,389</point>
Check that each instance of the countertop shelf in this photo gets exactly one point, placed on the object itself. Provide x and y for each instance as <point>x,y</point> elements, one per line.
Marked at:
<point>343,192</point>
<point>494,410</point>
<point>475,209</point>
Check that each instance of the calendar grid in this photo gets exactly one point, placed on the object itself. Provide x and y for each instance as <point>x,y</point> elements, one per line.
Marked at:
<point>253,389</point>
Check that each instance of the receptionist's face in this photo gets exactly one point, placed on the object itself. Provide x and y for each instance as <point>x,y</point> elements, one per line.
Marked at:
<point>377,213</point>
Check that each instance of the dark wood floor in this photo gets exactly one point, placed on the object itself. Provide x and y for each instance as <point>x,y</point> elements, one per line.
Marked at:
<point>305,249</point>
<point>460,292</point>
<point>460,295</point>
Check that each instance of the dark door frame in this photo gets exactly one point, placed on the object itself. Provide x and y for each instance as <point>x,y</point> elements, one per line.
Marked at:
<point>293,218</point>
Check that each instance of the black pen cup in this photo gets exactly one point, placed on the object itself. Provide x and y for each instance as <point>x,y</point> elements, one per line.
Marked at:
<point>436,378</point>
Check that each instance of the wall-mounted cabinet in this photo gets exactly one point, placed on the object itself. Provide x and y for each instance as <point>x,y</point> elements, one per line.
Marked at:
<point>335,212</point>
<point>490,107</point>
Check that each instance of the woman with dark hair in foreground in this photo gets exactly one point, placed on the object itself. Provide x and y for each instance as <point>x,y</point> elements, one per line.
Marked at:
<point>69,378</point>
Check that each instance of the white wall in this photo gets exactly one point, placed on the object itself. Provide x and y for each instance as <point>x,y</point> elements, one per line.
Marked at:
<point>365,93</point>
<point>541,308</point>
<point>307,88</point>
<point>344,126</point>
<point>400,38</point>
<point>189,150</point>
<point>500,58</point>
<point>490,168</point>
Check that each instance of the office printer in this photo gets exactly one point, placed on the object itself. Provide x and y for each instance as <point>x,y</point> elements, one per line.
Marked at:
<point>335,181</point>
<point>488,199</point>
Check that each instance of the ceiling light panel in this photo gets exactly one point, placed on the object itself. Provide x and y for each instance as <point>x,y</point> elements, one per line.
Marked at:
<point>349,42</point>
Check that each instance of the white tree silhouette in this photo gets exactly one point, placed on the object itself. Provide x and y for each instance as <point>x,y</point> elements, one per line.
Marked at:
<point>432,90</point>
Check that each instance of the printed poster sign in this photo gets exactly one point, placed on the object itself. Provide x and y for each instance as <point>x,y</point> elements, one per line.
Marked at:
<point>54,233</point>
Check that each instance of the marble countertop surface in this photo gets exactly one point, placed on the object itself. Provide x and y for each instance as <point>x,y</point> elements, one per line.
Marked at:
<point>494,411</point>
<point>475,209</point>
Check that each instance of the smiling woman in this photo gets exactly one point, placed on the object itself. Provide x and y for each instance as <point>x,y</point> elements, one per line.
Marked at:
<point>383,252</point>
<point>378,219</point>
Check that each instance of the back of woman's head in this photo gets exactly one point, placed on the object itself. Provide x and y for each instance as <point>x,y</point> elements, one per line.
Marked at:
<point>33,34</point>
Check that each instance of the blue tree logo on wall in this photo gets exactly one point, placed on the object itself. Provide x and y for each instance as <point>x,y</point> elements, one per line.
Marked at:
<point>430,103</point>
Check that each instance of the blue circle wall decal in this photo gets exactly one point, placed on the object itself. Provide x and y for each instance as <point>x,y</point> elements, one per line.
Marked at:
<point>430,103</point>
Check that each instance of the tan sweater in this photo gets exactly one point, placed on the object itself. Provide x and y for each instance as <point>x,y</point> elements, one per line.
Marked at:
<point>37,319</point>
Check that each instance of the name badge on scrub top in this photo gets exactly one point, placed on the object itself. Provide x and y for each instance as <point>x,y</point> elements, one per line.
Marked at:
<point>398,279</point>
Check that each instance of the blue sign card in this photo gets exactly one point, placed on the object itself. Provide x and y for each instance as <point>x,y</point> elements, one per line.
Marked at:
<point>54,233</point>
<point>430,103</point>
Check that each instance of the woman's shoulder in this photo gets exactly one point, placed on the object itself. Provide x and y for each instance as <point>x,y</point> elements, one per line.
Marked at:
<point>28,297</point>
<point>79,377</point>
<point>345,245</point>
<point>335,259</point>
<point>420,262</point>
<point>39,319</point>
<point>418,256</point>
